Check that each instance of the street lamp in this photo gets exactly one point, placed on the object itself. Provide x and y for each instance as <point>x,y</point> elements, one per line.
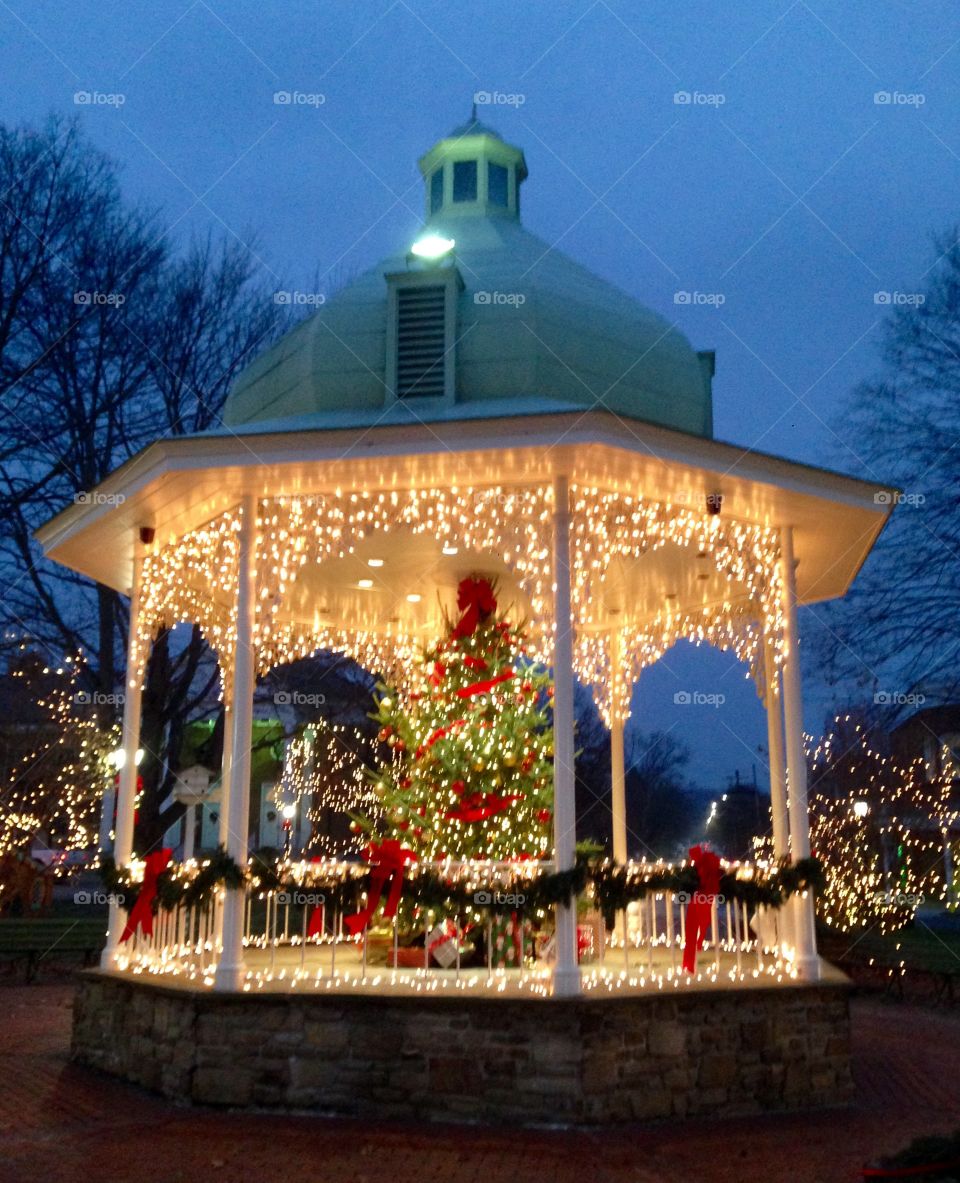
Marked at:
<point>288,812</point>
<point>118,758</point>
<point>860,809</point>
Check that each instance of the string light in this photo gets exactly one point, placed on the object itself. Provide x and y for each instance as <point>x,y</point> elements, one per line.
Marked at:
<point>194,578</point>
<point>880,826</point>
<point>55,787</point>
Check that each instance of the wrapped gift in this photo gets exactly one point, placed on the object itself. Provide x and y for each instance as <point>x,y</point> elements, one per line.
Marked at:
<point>587,947</point>
<point>406,957</point>
<point>585,942</point>
<point>546,947</point>
<point>506,943</point>
<point>442,943</point>
<point>591,934</point>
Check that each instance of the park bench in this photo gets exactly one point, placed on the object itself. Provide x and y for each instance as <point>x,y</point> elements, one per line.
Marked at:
<point>35,941</point>
<point>938,963</point>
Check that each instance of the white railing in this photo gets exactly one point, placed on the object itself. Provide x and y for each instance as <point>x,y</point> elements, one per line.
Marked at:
<point>297,937</point>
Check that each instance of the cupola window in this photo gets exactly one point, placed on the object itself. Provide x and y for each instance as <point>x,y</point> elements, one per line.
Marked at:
<point>471,173</point>
<point>497,182</point>
<point>465,180</point>
<point>436,191</point>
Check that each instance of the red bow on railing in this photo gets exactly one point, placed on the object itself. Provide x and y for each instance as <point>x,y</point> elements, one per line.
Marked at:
<point>387,860</point>
<point>700,908</point>
<point>475,599</point>
<point>141,914</point>
<point>708,870</point>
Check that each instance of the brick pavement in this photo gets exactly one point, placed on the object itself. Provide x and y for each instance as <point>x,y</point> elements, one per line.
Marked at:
<point>59,1122</point>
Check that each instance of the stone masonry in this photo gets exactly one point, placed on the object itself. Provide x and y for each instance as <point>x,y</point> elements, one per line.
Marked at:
<point>569,1061</point>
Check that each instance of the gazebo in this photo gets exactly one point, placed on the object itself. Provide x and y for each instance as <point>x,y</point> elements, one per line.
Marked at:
<point>476,403</point>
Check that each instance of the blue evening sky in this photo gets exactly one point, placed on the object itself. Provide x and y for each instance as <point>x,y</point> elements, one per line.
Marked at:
<point>783,185</point>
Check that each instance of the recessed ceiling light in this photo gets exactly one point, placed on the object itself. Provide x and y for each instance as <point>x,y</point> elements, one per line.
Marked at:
<point>414,597</point>
<point>365,583</point>
<point>374,562</point>
<point>450,550</point>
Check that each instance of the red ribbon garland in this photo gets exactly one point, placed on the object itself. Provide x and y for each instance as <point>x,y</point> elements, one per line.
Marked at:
<point>387,861</point>
<point>479,806</point>
<point>141,914</point>
<point>476,688</point>
<point>475,599</point>
<point>700,908</point>
<point>436,736</point>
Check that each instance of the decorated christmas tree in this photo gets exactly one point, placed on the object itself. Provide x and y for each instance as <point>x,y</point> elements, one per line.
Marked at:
<point>471,773</point>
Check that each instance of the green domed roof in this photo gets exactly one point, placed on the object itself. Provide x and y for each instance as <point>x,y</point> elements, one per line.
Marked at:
<point>535,331</point>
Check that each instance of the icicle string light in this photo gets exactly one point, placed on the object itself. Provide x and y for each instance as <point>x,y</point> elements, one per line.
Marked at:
<point>195,577</point>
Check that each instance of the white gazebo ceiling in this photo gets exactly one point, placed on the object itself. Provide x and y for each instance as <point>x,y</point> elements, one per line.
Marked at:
<point>668,579</point>
<point>176,485</point>
<point>414,584</point>
<point>409,589</point>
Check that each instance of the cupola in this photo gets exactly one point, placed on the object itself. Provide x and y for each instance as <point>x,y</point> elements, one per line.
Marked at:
<point>472,172</point>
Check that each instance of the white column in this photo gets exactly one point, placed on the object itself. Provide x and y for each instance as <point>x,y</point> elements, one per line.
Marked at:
<point>189,831</point>
<point>228,716</point>
<point>235,798</point>
<point>778,779</point>
<point>107,803</point>
<point>805,940</point>
<point>566,974</point>
<point>129,742</point>
<point>618,789</point>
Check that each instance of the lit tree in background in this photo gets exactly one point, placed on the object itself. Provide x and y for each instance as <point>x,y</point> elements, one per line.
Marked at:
<point>877,825</point>
<point>472,744</point>
<point>325,778</point>
<point>55,783</point>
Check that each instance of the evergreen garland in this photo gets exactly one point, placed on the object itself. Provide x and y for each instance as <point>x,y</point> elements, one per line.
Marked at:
<point>614,886</point>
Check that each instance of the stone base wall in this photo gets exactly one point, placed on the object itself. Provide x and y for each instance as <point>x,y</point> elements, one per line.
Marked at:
<point>590,1060</point>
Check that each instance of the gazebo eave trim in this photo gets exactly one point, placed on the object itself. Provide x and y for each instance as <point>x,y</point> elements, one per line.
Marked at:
<point>562,436</point>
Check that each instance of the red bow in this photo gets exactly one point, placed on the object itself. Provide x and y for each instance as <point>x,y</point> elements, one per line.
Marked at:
<point>387,860</point>
<point>700,908</point>
<point>475,599</point>
<point>708,869</point>
<point>141,914</point>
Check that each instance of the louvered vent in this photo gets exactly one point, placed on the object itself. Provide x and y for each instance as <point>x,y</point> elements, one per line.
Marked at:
<point>420,341</point>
